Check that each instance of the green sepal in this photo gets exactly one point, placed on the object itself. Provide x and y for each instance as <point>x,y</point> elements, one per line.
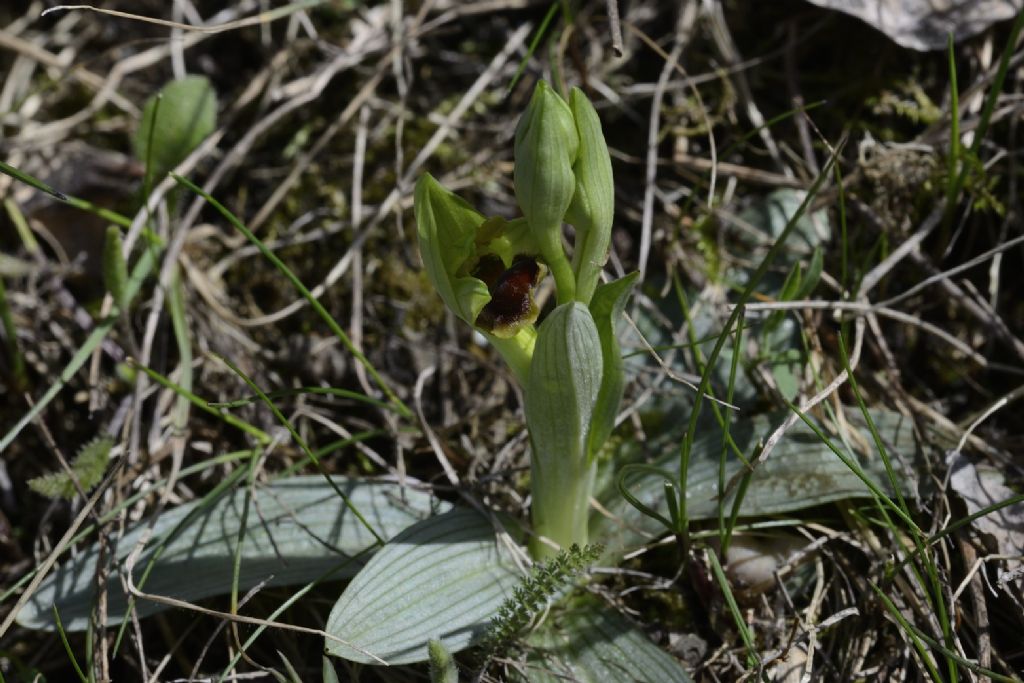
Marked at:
<point>561,392</point>
<point>447,230</point>
<point>592,208</point>
<point>452,238</point>
<point>606,307</point>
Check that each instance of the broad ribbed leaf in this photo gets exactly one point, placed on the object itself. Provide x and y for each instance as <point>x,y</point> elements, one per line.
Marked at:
<point>441,579</point>
<point>297,530</point>
<point>565,378</point>
<point>800,472</point>
<point>592,644</point>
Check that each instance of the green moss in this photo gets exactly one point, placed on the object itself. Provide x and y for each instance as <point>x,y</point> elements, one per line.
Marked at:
<point>907,100</point>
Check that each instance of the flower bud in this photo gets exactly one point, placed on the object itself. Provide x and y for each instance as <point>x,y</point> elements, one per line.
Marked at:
<point>592,208</point>
<point>546,146</point>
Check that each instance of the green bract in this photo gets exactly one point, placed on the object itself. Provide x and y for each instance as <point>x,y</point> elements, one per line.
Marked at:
<point>607,307</point>
<point>486,269</point>
<point>565,379</point>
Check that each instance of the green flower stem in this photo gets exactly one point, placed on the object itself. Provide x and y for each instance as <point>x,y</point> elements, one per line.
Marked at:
<point>591,247</point>
<point>561,270</point>
<point>561,487</point>
<point>570,367</point>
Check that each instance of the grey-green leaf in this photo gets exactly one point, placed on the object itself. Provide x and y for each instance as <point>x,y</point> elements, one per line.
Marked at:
<point>801,472</point>
<point>441,579</point>
<point>329,675</point>
<point>297,530</point>
<point>592,644</point>
<point>174,122</point>
<point>606,307</point>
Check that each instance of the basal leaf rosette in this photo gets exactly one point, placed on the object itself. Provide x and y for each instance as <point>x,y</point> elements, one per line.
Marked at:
<point>485,269</point>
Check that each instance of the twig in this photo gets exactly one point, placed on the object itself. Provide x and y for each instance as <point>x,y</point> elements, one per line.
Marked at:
<point>306,159</point>
<point>615,26</point>
<point>356,321</point>
<point>866,308</point>
<point>435,443</point>
<point>902,251</point>
<point>730,53</point>
<point>974,308</point>
<point>745,173</point>
<point>684,26</point>
<point>261,18</point>
<point>80,74</point>
<point>947,274</point>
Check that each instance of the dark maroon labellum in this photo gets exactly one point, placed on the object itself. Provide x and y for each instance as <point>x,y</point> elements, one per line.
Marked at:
<point>511,291</point>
